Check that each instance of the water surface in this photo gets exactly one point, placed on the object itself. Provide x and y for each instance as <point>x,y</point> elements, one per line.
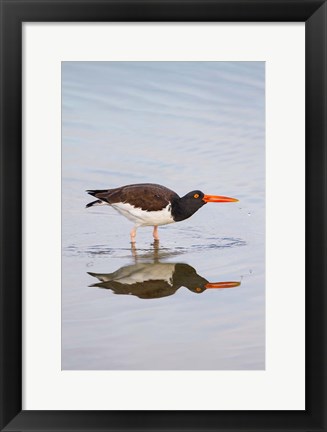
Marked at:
<point>186,125</point>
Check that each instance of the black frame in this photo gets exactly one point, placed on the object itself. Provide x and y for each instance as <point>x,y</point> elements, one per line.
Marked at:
<point>13,14</point>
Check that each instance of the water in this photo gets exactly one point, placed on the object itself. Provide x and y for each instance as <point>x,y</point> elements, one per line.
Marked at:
<point>185,125</point>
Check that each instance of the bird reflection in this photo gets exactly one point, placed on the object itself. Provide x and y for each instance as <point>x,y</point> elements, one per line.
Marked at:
<point>156,280</point>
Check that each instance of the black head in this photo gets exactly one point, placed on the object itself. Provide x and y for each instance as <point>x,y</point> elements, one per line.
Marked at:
<point>183,208</point>
<point>194,199</point>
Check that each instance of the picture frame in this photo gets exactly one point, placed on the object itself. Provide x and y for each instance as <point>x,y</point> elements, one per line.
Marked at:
<point>13,15</point>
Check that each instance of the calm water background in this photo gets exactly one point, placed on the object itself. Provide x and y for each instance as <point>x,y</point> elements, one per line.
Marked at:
<point>188,125</point>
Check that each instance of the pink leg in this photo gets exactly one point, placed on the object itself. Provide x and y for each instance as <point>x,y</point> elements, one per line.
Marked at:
<point>133,235</point>
<point>155,233</point>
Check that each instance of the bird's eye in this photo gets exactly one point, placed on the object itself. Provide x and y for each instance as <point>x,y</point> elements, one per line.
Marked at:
<point>196,195</point>
<point>198,289</point>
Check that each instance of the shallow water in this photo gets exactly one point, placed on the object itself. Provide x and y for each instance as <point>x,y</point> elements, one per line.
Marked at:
<point>190,125</point>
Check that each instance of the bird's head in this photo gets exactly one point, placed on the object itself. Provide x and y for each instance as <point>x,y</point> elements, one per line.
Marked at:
<point>194,199</point>
<point>186,206</point>
<point>197,199</point>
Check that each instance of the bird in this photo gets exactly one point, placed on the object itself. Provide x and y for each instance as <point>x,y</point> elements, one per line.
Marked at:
<point>149,204</point>
<point>156,280</point>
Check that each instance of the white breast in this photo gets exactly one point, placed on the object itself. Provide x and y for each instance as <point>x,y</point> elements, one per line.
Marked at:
<point>142,217</point>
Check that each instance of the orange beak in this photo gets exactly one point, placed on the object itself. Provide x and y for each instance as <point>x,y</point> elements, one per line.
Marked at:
<point>222,285</point>
<point>217,198</point>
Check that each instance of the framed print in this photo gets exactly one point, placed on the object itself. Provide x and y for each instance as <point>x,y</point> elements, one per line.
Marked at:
<point>132,307</point>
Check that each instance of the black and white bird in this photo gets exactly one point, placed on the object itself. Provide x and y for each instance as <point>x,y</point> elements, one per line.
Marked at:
<point>148,204</point>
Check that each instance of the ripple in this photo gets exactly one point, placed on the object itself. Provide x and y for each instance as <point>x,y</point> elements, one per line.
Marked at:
<point>153,251</point>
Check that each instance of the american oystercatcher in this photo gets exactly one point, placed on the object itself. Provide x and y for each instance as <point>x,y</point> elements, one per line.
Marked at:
<point>148,204</point>
<point>156,280</point>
